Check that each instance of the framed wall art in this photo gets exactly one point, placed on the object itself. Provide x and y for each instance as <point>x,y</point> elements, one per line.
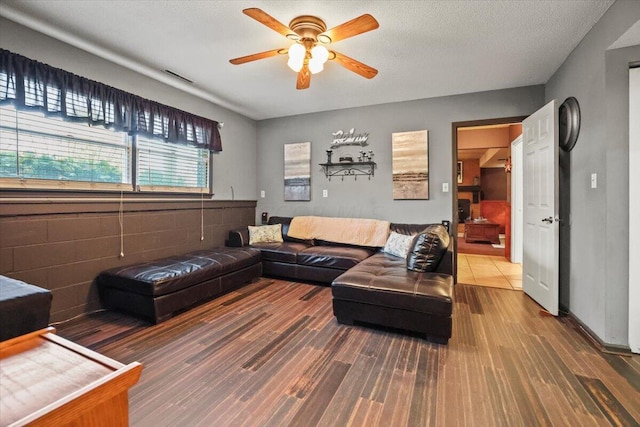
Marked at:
<point>459,173</point>
<point>297,171</point>
<point>410,165</point>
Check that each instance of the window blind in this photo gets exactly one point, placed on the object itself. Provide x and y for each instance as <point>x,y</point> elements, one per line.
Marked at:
<point>163,166</point>
<point>36,147</point>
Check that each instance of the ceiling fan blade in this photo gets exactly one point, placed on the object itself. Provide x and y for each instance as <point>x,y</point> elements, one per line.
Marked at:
<point>271,22</point>
<point>356,26</point>
<point>353,65</point>
<point>304,78</point>
<point>256,56</point>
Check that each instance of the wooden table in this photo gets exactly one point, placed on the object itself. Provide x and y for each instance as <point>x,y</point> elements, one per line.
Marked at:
<point>481,231</point>
<point>47,380</point>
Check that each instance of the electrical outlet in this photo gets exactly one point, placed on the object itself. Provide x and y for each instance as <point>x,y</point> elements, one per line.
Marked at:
<point>262,194</point>
<point>325,193</point>
<point>445,187</point>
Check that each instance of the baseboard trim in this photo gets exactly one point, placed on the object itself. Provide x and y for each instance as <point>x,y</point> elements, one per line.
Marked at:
<point>595,341</point>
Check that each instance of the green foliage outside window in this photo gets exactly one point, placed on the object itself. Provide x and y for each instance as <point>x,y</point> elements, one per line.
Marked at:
<point>44,166</point>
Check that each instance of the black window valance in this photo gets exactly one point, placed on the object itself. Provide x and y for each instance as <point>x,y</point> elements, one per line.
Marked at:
<point>30,84</point>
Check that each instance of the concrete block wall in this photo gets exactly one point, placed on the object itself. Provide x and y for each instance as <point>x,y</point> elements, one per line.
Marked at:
<point>62,246</point>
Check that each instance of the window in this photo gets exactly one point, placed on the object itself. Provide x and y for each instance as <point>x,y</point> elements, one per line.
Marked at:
<point>60,130</point>
<point>165,166</point>
<point>38,151</point>
<point>44,152</point>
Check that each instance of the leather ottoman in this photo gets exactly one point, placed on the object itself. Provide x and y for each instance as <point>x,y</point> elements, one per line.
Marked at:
<point>158,289</point>
<point>24,308</point>
<point>381,291</point>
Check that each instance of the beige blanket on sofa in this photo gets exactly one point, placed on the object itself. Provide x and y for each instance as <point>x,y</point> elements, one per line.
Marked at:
<point>353,231</point>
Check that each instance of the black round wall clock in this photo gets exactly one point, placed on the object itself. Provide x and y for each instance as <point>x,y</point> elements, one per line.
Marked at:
<point>569,123</point>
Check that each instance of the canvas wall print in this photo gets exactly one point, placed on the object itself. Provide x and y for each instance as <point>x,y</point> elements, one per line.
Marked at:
<point>410,165</point>
<point>297,171</point>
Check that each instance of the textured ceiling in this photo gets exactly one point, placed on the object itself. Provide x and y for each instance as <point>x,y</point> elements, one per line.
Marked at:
<point>422,49</point>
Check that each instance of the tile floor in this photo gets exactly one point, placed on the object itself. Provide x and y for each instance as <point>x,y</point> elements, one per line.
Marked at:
<point>492,271</point>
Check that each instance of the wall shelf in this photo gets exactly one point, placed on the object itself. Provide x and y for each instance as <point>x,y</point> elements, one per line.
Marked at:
<point>475,189</point>
<point>343,169</point>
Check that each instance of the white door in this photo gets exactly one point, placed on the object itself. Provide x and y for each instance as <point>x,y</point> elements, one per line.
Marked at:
<point>540,197</point>
<point>634,210</point>
<point>516,200</point>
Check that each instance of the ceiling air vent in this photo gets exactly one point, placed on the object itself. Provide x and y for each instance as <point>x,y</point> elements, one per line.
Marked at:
<point>178,76</point>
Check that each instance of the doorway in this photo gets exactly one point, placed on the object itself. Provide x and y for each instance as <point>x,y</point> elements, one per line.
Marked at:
<point>482,202</point>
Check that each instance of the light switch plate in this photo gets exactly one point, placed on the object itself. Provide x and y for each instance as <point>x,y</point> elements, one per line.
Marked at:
<point>594,180</point>
<point>262,194</point>
<point>325,193</point>
<point>445,187</point>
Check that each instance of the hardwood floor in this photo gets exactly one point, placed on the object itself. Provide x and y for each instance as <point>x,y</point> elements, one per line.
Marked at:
<point>273,354</point>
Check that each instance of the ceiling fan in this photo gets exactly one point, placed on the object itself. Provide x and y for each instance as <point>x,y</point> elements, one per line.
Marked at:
<point>308,54</point>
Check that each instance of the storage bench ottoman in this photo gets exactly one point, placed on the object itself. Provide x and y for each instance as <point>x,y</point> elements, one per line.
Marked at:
<point>24,308</point>
<point>158,289</point>
<point>381,291</point>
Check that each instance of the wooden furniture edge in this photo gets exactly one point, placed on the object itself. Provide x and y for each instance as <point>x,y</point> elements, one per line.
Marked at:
<point>70,407</point>
<point>4,345</point>
<point>81,401</point>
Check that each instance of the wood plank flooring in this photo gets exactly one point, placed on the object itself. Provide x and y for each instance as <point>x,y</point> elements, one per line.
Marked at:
<point>272,354</point>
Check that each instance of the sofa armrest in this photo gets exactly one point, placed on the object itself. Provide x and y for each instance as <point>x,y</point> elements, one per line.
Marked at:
<point>446,262</point>
<point>238,238</point>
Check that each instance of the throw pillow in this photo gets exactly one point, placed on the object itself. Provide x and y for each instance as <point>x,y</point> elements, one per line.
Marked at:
<point>427,249</point>
<point>265,234</point>
<point>398,244</point>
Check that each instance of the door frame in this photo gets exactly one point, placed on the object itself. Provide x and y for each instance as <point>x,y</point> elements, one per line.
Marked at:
<point>517,205</point>
<point>454,167</point>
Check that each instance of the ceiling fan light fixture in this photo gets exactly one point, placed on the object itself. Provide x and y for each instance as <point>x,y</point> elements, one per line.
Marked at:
<point>297,53</point>
<point>295,64</point>
<point>320,53</point>
<point>309,33</point>
<point>315,66</point>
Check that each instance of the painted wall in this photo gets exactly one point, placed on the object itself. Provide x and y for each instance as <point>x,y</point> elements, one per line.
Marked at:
<point>494,183</point>
<point>64,246</point>
<point>234,166</point>
<point>373,198</point>
<point>594,285</point>
<point>514,132</point>
<point>483,138</point>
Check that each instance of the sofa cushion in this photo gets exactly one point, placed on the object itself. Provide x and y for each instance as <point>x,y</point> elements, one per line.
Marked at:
<point>398,244</point>
<point>410,229</point>
<point>281,252</point>
<point>265,234</point>
<point>285,221</point>
<point>427,249</point>
<point>339,257</point>
<point>385,280</point>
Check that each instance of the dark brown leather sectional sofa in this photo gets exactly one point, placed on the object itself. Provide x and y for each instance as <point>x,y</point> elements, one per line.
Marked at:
<point>368,285</point>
